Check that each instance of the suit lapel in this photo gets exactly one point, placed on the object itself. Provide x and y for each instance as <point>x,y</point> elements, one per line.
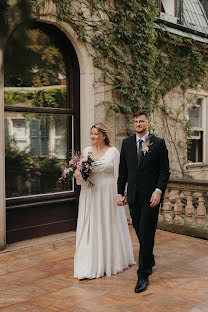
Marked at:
<point>133,148</point>
<point>143,156</point>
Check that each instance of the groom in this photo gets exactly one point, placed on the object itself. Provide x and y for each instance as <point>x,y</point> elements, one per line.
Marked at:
<point>144,165</point>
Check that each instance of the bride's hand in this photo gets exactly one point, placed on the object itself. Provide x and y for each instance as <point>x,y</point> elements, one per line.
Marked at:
<point>120,200</point>
<point>77,175</point>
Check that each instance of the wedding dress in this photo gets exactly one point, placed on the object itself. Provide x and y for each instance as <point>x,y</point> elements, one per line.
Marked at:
<point>103,243</point>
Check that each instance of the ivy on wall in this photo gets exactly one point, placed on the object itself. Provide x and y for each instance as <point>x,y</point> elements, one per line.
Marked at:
<point>123,38</point>
<point>181,62</point>
<point>140,61</point>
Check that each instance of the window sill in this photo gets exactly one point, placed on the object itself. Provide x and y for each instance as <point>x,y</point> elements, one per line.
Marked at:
<point>39,198</point>
<point>196,165</point>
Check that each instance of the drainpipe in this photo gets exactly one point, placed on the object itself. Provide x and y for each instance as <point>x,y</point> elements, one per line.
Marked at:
<point>2,155</point>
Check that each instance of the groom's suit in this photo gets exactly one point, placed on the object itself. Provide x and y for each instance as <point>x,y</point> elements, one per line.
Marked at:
<point>143,177</point>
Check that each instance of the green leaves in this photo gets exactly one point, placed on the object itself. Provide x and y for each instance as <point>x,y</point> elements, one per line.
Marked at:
<point>32,59</point>
<point>52,97</point>
<point>141,62</point>
<point>123,38</point>
<point>13,13</point>
<point>179,63</point>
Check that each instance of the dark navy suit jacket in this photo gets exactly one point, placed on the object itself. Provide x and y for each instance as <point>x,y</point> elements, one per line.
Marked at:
<point>152,172</point>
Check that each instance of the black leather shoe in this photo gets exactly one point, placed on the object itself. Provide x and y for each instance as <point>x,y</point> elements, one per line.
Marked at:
<point>153,263</point>
<point>141,285</point>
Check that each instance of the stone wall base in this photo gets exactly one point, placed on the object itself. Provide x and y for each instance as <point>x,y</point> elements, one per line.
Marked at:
<point>183,229</point>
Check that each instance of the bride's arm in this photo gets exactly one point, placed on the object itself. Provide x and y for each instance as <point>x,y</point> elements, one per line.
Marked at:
<point>116,163</point>
<point>120,198</point>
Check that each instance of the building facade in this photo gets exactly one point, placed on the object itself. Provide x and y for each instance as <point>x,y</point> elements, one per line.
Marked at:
<point>44,121</point>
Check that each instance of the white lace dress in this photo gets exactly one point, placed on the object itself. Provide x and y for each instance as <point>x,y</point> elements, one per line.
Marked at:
<point>103,243</point>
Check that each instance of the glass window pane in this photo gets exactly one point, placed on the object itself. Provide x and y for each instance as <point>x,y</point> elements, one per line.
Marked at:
<point>35,72</point>
<point>194,115</point>
<point>169,7</point>
<point>37,148</point>
<point>195,151</point>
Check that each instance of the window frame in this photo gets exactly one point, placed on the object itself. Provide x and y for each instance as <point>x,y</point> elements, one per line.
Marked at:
<point>200,129</point>
<point>73,110</point>
<point>177,18</point>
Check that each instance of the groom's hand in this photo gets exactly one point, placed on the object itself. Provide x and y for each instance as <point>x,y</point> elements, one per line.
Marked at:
<point>120,200</point>
<point>155,198</point>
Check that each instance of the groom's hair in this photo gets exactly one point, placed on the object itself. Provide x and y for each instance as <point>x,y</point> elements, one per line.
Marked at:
<point>141,112</point>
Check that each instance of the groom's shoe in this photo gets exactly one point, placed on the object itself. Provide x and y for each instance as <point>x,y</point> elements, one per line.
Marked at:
<point>141,285</point>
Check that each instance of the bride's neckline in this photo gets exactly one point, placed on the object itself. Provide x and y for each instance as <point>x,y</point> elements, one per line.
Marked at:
<point>102,155</point>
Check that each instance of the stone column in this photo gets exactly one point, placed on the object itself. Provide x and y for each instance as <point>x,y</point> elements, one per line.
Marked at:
<point>167,207</point>
<point>178,207</point>
<point>201,210</point>
<point>189,207</point>
<point>2,157</point>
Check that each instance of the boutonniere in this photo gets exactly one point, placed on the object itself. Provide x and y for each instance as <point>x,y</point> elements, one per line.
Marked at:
<point>146,145</point>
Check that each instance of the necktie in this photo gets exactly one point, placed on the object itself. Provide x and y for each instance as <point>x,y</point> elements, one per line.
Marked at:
<point>139,152</point>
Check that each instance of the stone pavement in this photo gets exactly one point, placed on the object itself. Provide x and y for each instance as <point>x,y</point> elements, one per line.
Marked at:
<point>37,276</point>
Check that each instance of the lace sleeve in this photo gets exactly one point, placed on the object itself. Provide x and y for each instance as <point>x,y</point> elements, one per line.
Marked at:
<point>116,163</point>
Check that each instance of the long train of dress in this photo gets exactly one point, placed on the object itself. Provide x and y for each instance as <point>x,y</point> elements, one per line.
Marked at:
<point>103,243</point>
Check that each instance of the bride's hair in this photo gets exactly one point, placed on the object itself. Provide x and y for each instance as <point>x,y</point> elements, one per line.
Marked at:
<point>102,128</point>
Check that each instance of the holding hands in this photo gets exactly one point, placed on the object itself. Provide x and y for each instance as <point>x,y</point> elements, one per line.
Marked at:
<point>120,200</point>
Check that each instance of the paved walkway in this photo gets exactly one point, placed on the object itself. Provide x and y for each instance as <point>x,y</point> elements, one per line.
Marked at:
<point>37,276</point>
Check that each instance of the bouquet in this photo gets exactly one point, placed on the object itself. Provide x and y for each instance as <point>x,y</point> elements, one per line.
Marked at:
<point>79,164</point>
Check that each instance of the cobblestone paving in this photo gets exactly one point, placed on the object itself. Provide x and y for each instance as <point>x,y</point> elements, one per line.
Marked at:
<point>37,276</point>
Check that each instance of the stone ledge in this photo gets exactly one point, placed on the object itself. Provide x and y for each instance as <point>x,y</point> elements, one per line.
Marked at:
<point>183,229</point>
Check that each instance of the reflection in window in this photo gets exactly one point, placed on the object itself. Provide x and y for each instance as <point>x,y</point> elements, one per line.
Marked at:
<point>59,129</point>
<point>53,97</point>
<point>35,158</point>
<point>35,76</point>
<point>37,143</point>
<point>19,132</point>
<point>39,64</point>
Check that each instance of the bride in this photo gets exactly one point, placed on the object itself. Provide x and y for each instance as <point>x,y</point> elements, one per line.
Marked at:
<point>103,244</point>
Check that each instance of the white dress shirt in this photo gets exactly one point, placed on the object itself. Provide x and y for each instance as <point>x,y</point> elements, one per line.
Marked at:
<point>143,138</point>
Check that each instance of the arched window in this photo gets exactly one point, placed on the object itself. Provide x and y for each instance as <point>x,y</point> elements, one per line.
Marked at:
<point>41,115</point>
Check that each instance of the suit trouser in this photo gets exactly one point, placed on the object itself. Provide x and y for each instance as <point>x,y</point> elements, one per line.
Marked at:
<point>144,220</point>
